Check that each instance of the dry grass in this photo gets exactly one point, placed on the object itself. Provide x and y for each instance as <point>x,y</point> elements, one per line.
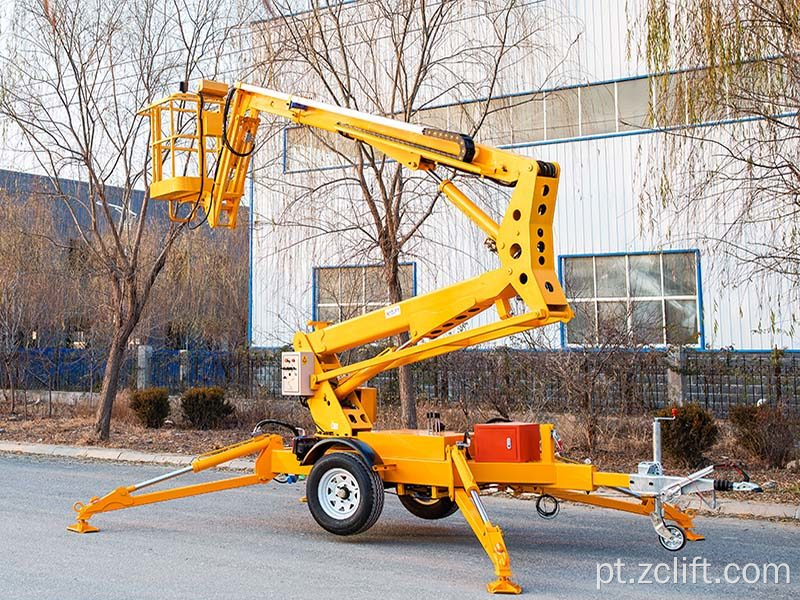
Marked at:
<point>622,441</point>
<point>122,412</point>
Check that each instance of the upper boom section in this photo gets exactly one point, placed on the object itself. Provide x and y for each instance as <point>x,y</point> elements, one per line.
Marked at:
<point>201,145</point>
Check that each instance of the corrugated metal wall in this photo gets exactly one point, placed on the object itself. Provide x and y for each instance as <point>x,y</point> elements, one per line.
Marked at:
<point>601,209</point>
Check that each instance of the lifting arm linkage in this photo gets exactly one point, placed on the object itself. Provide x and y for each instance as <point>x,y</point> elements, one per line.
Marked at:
<point>523,239</point>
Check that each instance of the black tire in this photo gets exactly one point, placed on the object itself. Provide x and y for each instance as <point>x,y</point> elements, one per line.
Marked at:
<point>547,506</point>
<point>345,496</point>
<point>678,542</point>
<point>427,508</point>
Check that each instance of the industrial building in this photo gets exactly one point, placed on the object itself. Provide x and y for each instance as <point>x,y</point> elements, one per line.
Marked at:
<point>588,105</point>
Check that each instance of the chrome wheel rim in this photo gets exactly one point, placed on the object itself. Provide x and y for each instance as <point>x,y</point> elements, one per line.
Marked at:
<point>677,539</point>
<point>339,494</point>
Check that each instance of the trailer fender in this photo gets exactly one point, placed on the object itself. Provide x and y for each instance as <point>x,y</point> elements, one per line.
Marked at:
<point>321,447</point>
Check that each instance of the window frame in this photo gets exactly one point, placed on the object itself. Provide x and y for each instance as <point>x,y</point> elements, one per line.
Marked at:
<point>680,78</point>
<point>315,286</point>
<point>628,299</point>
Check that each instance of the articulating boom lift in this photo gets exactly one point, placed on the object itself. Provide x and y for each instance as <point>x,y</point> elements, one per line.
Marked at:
<point>201,145</point>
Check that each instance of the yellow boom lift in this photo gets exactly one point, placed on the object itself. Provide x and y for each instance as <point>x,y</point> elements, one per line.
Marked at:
<point>201,145</point>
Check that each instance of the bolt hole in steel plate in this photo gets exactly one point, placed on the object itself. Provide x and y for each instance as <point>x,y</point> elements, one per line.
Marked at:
<point>339,494</point>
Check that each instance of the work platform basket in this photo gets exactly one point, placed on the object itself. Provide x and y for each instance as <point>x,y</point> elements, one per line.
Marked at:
<point>192,167</point>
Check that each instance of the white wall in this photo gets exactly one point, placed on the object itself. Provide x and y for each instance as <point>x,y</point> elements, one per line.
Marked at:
<point>600,209</point>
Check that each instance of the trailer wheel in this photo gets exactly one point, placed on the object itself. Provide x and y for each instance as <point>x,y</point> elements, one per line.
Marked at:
<point>344,494</point>
<point>428,508</point>
<point>547,506</point>
<point>678,541</point>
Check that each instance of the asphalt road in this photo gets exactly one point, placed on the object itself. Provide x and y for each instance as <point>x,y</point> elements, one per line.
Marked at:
<point>260,542</point>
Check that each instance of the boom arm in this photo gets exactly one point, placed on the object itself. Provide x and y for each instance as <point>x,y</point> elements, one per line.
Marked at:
<point>221,138</point>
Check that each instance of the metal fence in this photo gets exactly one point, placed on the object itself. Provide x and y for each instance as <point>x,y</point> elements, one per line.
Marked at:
<point>66,369</point>
<point>718,380</point>
<point>504,380</point>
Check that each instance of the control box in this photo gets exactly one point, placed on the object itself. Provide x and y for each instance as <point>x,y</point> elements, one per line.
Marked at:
<point>505,442</point>
<point>296,371</point>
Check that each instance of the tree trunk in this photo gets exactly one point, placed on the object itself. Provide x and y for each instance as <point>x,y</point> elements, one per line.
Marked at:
<point>108,391</point>
<point>408,401</point>
<point>12,390</point>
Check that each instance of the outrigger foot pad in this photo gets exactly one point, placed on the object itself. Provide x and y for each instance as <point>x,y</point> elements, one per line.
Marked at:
<point>82,527</point>
<point>503,585</point>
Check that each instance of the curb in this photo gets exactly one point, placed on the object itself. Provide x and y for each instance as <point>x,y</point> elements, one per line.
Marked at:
<point>724,507</point>
<point>114,455</point>
<point>752,509</point>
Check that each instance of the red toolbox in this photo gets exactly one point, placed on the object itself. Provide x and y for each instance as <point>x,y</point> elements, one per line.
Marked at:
<point>505,442</point>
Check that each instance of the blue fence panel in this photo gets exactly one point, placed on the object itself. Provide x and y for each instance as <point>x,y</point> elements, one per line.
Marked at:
<point>546,380</point>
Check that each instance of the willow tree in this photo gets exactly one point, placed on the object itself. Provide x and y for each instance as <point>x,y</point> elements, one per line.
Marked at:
<point>738,65</point>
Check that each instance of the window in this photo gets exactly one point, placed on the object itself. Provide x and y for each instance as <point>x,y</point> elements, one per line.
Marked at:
<point>598,110</point>
<point>639,299</point>
<point>562,113</point>
<point>433,117</point>
<point>464,117</point>
<point>527,118</point>
<point>496,127</point>
<point>633,104</point>
<point>669,95</point>
<point>341,293</point>
<point>707,96</point>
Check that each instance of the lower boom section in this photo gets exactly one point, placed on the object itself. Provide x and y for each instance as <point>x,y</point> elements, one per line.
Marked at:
<point>435,475</point>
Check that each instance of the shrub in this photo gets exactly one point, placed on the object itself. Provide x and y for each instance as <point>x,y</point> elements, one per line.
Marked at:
<point>765,431</point>
<point>151,406</point>
<point>690,435</point>
<point>205,407</point>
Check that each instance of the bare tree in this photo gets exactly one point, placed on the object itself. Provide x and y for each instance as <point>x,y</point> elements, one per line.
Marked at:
<point>740,183</point>
<point>77,74</point>
<point>202,298</point>
<point>394,58</point>
<point>28,273</point>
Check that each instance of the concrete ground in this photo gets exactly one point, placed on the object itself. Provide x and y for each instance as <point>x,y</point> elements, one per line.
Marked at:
<point>260,542</point>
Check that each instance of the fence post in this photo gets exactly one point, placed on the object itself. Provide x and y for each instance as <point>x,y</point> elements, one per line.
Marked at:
<point>676,378</point>
<point>183,368</point>
<point>144,357</point>
<point>777,356</point>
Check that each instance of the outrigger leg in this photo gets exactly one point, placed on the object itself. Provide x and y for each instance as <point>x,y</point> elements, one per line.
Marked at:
<point>123,497</point>
<point>490,536</point>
